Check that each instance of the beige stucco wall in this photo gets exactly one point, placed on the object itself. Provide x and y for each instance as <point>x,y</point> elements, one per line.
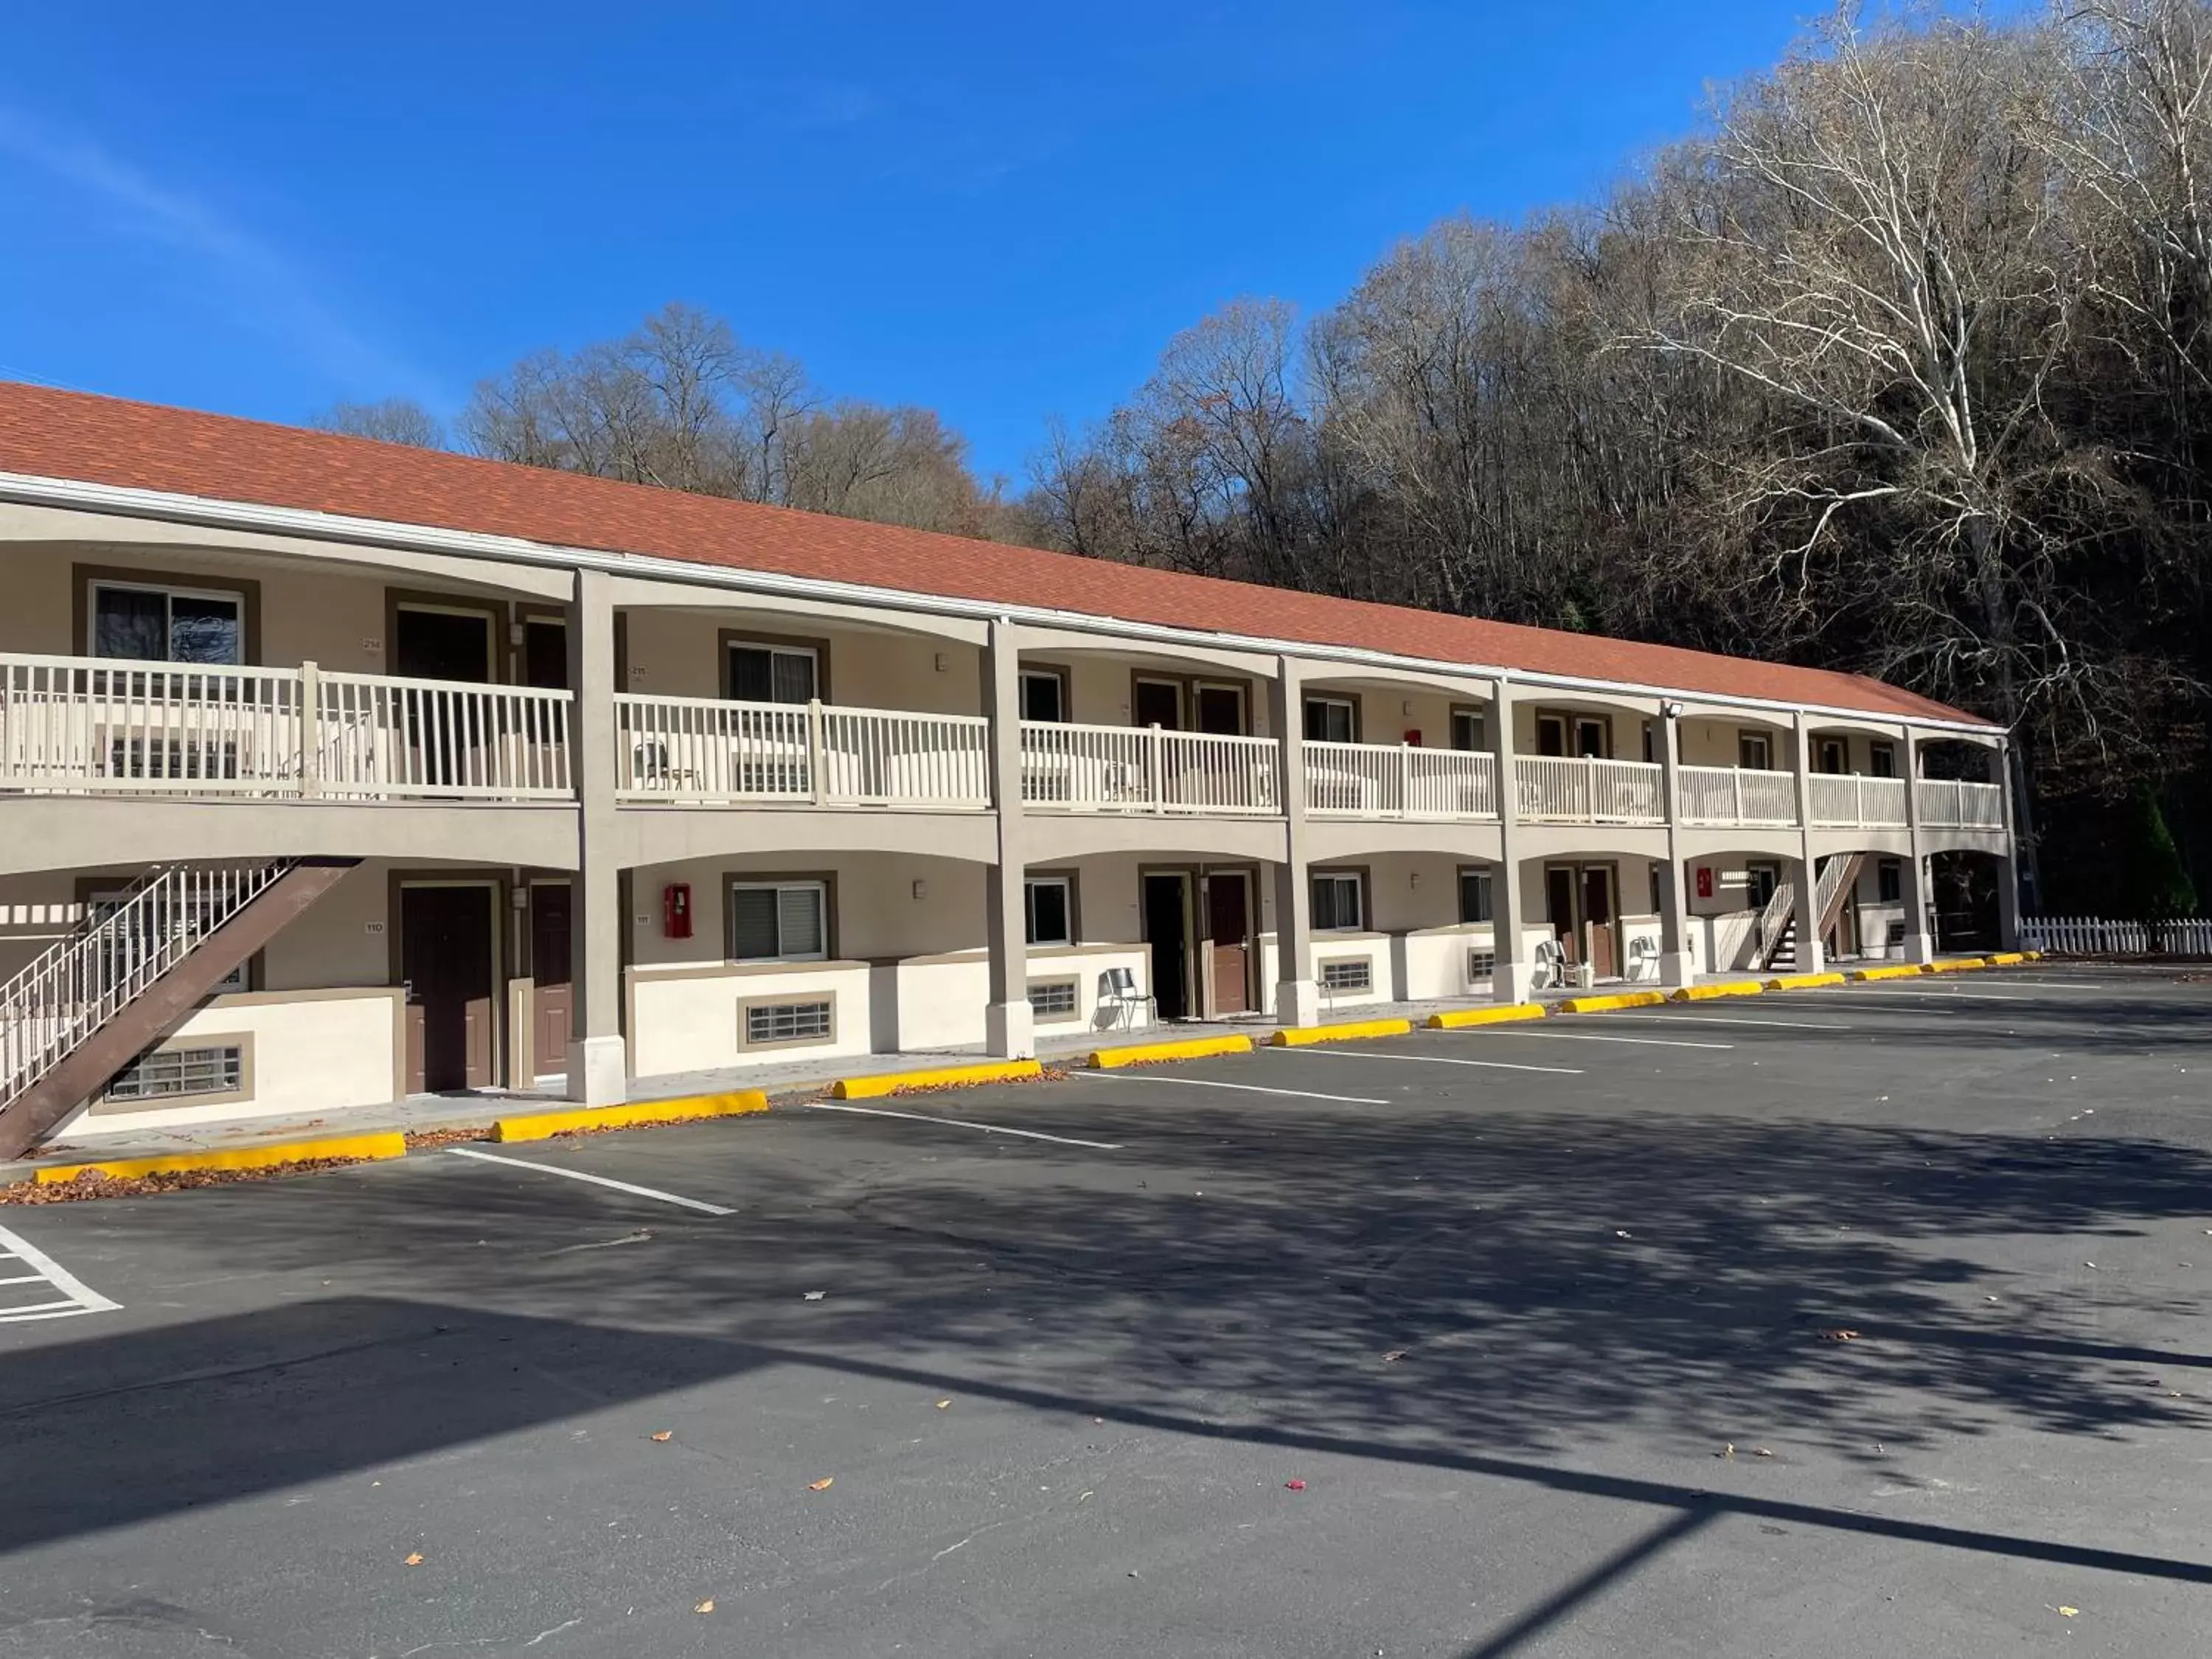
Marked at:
<point>677,653</point>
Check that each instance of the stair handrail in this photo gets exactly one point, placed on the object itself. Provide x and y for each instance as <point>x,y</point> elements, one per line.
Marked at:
<point>1773,919</point>
<point>77,984</point>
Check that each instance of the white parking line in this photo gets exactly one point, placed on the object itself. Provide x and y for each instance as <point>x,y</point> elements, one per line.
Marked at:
<point>1880,991</point>
<point>596,1180</point>
<point>80,1298</point>
<point>1246,1088</point>
<point>965,1123</point>
<point>1592,1036</point>
<point>1747,1019</point>
<point>1438,1060</point>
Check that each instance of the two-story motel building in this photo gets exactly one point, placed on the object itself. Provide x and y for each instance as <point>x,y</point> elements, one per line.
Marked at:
<point>333,772</point>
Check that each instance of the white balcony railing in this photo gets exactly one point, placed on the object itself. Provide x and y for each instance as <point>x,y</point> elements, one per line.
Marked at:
<point>1735,796</point>
<point>1857,802</point>
<point>699,750</point>
<point>1381,780</point>
<point>1557,790</point>
<point>1124,768</point>
<point>97,725</point>
<point>1946,805</point>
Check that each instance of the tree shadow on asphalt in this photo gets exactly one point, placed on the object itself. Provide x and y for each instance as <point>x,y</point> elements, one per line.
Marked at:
<point>1509,1280</point>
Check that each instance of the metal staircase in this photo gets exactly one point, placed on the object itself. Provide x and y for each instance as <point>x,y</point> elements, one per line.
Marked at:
<point>92,1002</point>
<point>1777,922</point>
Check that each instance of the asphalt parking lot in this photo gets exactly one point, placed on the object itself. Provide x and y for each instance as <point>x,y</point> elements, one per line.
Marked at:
<point>1827,1323</point>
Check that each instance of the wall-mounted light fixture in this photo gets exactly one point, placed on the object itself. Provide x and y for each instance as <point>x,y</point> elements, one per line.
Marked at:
<point>920,888</point>
<point>943,662</point>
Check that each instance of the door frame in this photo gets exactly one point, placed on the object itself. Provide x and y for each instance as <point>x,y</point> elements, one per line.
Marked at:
<point>1579,923</point>
<point>525,958</point>
<point>496,614</point>
<point>1176,683</point>
<point>1250,875</point>
<point>1187,874</point>
<point>396,882</point>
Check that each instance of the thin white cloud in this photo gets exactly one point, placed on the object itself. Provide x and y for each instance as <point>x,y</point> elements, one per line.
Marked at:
<point>255,281</point>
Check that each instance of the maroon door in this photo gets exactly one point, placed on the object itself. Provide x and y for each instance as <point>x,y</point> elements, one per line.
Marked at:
<point>446,957</point>
<point>1598,919</point>
<point>552,997</point>
<point>1228,904</point>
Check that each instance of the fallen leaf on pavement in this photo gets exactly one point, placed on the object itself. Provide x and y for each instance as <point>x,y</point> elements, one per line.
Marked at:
<point>1839,1335</point>
<point>662,1435</point>
<point>1295,1486</point>
<point>416,1559</point>
<point>1394,1356</point>
<point>1728,1449</point>
<point>707,1606</point>
<point>2069,1613</point>
<point>1762,1452</point>
<point>816,1296</point>
<point>823,1485</point>
<point>943,1405</point>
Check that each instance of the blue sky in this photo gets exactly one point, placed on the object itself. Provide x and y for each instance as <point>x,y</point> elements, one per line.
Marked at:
<point>1001,211</point>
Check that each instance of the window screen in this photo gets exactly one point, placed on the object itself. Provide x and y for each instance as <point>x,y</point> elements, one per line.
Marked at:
<point>1354,974</point>
<point>783,922</point>
<point>1481,965</point>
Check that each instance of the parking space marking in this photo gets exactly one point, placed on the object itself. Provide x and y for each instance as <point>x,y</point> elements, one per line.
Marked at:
<point>1748,1019</point>
<point>1244,1088</point>
<point>1443,1060</point>
<point>1592,1036</point>
<point>966,1123</point>
<point>78,1298</point>
<point>1880,991</point>
<point>699,1204</point>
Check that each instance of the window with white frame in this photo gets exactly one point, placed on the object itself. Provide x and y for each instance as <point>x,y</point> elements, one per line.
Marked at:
<point>1754,751</point>
<point>1338,900</point>
<point>1048,905</point>
<point>1044,694</point>
<point>122,947</point>
<point>1474,896</point>
<point>773,673</point>
<point>1053,999</point>
<point>1331,720</point>
<point>1889,880</point>
<point>1882,756</point>
<point>1761,880</point>
<point>779,920</point>
<point>147,623</point>
<point>1469,730</point>
<point>1347,973</point>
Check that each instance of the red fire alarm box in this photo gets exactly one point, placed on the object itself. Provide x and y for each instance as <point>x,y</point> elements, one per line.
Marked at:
<point>675,910</point>
<point>1414,736</point>
<point>1705,881</point>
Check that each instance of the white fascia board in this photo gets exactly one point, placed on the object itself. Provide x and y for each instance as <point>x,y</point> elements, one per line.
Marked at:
<point>332,526</point>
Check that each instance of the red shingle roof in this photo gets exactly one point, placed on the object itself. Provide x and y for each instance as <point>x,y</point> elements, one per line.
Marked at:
<point>106,440</point>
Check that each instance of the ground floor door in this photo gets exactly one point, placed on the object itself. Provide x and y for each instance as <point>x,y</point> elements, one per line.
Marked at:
<point>552,997</point>
<point>446,959</point>
<point>1582,903</point>
<point>1229,940</point>
<point>1167,931</point>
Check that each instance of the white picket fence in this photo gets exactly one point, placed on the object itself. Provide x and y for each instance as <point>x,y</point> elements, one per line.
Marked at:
<point>2095,936</point>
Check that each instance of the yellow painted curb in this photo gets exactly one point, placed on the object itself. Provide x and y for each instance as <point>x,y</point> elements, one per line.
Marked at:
<point>1144,1053</point>
<point>1955,965</point>
<point>540,1125</point>
<point>2031,955</point>
<point>1504,1013</point>
<point>889,1083</point>
<point>1803,981</point>
<point>1612,1000</point>
<point>1900,970</point>
<point>1733,988</point>
<point>2006,958</point>
<point>384,1144</point>
<point>1301,1036</point>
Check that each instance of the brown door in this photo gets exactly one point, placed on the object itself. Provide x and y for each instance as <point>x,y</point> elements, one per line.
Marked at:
<point>1228,933</point>
<point>552,997</point>
<point>1598,921</point>
<point>446,957</point>
<point>1559,908</point>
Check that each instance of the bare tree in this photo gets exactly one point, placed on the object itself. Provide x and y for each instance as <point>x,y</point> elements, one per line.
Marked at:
<point>393,421</point>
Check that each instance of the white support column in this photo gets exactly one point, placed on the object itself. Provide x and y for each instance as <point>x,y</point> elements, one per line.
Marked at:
<point>2009,864</point>
<point>599,1064</point>
<point>1297,997</point>
<point>1676,966</point>
<point>1804,875</point>
<point>1514,978</point>
<point>1919,937</point>
<point>1009,1030</point>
